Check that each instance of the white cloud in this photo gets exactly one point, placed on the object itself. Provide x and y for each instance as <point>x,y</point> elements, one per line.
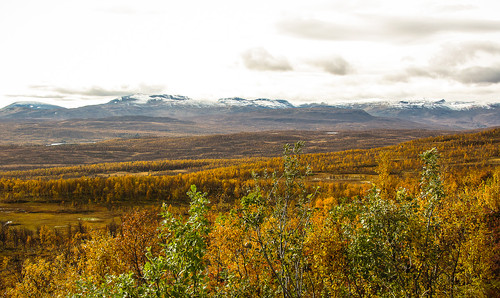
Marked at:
<point>92,92</point>
<point>453,54</point>
<point>479,75</point>
<point>335,65</point>
<point>104,92</point>
<point>261,59</point>
<point>383,28</point>
<point>466,63</point>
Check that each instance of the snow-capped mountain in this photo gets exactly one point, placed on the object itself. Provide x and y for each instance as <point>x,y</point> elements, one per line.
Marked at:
<point>439,114</point>
<point>141,99</point>
<point>440,104</point>
<point>456,115</point>
<point>415,104</point>
<point>179,100</point>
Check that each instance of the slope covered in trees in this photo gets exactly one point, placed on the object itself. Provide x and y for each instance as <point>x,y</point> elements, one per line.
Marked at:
<point>169,180</point>
<point>404,220</point>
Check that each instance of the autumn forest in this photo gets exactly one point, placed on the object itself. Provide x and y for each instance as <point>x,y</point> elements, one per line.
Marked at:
<point>416,219</point>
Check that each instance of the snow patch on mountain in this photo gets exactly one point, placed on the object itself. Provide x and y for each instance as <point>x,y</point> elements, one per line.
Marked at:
<point>143,99</point>
<point>259,102</point>
<point>440,104</point>
<point>415,104</point>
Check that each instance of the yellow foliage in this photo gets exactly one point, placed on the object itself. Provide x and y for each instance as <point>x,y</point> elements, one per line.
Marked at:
<point>98,257</point>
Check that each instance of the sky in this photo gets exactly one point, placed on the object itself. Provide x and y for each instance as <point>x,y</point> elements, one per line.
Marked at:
<point>74,53</point>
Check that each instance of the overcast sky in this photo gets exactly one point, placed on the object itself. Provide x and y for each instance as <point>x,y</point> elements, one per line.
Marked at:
<point>74,53</point>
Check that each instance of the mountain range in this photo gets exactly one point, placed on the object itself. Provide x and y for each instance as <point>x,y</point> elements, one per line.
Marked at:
<point>176,115</point>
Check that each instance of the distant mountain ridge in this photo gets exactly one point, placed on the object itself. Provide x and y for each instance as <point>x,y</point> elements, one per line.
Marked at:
<point>144,99</point>
<point>31,105</point>
<point>437,114</point>
<point>456,115</point>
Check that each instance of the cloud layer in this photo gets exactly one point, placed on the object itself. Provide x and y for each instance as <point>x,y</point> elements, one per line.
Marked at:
<point>466,63</point>
<point>379,28</point>
<point>86,93</point>
<point>315,50</point>
<point>102,91</point>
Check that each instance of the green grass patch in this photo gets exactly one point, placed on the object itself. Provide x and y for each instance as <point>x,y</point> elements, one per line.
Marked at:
<point>33,215</point>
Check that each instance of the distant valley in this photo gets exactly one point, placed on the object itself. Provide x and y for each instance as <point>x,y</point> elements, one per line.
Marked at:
<point>215,146</point>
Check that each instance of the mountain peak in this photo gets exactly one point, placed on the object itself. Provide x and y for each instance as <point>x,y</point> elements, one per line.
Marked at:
<point>35,105</point>
<point>140,98</point>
